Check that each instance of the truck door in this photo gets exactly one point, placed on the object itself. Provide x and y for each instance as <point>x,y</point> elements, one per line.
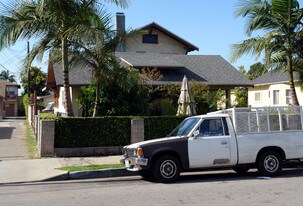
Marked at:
<point>211,144</point>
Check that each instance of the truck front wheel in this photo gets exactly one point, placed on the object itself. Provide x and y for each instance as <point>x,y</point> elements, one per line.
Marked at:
<point>270,163</point>
<point>166,169</point>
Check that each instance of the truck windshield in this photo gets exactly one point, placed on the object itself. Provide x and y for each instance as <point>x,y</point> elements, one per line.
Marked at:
<point>185,127</point>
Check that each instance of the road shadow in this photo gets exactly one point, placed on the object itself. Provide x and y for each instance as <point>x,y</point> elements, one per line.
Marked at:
<point>229,175</point>
<point>6,132</point>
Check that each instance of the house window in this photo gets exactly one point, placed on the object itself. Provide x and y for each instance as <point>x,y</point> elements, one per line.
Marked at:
<point>257,96</point>
<point>11,93</point>
<point>150,38</point>
<point>276,97</point>
<point>288,96</point>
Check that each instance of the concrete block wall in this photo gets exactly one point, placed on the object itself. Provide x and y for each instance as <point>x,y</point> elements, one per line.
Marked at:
<point>46,141</point>
<point>46,138</point>
<point>137,130</point>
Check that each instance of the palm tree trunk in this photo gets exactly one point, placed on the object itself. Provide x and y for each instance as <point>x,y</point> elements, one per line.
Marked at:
<point>67,99</point>
<point>97,100</point>
<point>293,93</point>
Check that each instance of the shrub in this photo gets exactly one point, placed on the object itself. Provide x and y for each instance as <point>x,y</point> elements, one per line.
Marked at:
<point>157,127</point>
<point>47,116</point>
<point>25,101</point>
<point>108,131</point>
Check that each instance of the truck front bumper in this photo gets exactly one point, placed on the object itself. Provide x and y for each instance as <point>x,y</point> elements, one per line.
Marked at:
<point>134,164</point>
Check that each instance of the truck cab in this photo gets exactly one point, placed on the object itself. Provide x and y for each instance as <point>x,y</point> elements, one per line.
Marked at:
<point>198,142</point>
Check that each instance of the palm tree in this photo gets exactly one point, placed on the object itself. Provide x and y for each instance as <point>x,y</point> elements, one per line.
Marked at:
<point>281,20</point>
<point>5,75</point>
<point>53,22</point>
<point>97,51</point>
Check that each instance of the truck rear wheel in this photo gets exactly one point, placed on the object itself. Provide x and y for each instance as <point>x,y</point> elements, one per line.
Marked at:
<point>270,163</point>
<point>166,169</point>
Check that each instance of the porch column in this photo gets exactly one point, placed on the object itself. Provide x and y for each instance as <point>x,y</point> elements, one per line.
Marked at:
<point>228,98</point>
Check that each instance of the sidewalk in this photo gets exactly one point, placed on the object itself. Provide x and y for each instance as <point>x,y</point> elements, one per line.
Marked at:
<point>17,171</point>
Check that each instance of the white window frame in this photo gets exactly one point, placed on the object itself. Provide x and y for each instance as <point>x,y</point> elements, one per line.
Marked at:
<point>276,97</point>
<point>256,95</point>
<point>288,96</point>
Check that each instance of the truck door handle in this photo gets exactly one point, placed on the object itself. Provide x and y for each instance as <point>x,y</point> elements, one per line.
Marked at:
<point>224,142</point>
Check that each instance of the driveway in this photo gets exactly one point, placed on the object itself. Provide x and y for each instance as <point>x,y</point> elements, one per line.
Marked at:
<point>12,139</point>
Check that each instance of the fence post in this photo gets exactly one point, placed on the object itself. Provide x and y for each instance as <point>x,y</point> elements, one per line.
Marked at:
<point>46,139</point>
<point>137,130</point>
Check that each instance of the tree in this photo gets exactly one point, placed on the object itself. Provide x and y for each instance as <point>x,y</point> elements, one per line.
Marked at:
<point>54,23</point>
<point>5,75</point>
<point>96,48</point>
<point>256,70</point>
<point>37,81</point>
<point>241,99</point>
<point>242,70</point>
<point>281,20</point>
<point>121,95</point>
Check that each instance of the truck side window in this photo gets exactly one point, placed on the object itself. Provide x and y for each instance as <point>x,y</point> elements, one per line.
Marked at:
<point>211,127</point>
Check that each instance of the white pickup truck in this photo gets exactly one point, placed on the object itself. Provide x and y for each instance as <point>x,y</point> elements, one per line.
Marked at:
<point>239,138</point>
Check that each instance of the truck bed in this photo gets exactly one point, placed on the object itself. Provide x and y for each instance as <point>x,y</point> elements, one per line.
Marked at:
<point>265,119</point>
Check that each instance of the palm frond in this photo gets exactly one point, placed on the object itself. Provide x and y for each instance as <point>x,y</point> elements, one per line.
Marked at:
<point>253,46</point>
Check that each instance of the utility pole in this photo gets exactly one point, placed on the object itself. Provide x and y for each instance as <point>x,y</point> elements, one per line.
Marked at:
<point>28,72</point>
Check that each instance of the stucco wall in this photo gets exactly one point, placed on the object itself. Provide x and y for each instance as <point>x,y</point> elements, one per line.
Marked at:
<point>165,44</point>
<point>48,99</point>
<point>266,95</point>
<point>75,93</point>
<point>2,89</point>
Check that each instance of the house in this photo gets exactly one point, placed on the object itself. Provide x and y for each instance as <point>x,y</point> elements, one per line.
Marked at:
<point>155,47</point>
<point>272,89</point>
<point>8,99</point>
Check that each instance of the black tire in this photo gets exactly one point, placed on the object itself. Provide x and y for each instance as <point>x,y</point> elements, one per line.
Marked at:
<point>270,163</point>
<point>241,169</point>
<point>166,169</point>
<point>146,174</point>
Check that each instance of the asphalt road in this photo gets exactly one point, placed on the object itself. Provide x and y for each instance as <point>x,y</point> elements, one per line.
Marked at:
<point>208,188</point>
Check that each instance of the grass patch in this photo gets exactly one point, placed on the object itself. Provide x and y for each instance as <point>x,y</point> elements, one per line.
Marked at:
<point>31,142</point>
<point>90,167</point>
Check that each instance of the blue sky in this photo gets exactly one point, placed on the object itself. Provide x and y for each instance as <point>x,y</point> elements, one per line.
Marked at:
<point>208,24</point>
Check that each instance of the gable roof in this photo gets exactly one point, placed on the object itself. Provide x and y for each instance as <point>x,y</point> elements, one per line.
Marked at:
<point>210,69</point>
<point>274,77</point>
<point>78,75</point>
<point>190,47</point>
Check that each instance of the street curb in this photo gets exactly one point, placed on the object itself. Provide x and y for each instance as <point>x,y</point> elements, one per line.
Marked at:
<point>106,173</point>
<point>91,174</point>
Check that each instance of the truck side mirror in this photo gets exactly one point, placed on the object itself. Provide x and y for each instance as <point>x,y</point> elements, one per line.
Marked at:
<point>196,133</point>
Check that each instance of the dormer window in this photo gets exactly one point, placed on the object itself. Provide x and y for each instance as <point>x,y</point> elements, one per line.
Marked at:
<point>150,39</point>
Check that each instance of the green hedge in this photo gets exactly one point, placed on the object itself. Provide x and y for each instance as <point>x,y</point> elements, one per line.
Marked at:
<point>158,127</point>
<point>92,132</point>
<point>107,131</point>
